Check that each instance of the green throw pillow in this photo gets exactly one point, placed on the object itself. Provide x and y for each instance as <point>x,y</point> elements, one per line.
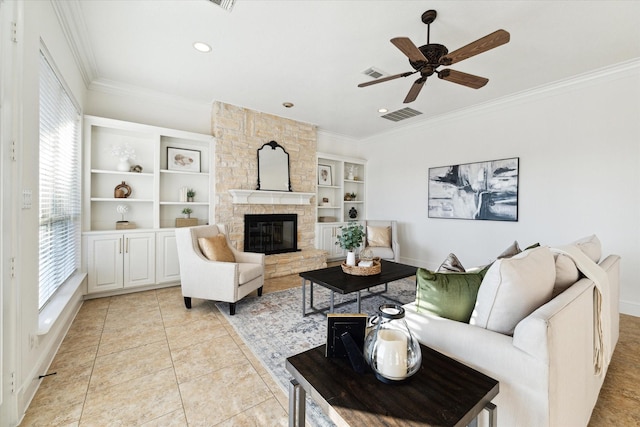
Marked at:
<point>448,295</point>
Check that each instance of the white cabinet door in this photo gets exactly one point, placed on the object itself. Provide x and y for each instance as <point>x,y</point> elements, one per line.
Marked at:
<point>139,259</point>
<point>104,262</point>
<point>118,260</point>
<point>328,237</point>
<point>167,266</point>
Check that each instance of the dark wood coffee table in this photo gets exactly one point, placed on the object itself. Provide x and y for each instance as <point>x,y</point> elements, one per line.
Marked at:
<point>337,280</point>
<point>442,393</point>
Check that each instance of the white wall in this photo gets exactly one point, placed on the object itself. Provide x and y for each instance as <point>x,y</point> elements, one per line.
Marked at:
<point>139,106</point>
<point>579,149</point>
<point>25,353</point>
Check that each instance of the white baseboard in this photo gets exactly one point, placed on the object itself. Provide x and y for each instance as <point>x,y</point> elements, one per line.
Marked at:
<point>630,308</point>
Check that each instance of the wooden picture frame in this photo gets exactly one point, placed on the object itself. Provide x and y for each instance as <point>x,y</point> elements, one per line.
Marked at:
<point>183,160</point>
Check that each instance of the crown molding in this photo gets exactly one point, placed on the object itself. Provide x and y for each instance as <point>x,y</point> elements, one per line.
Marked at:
<point>71,20</point>
<point>611,72</point>
<point>113,87</point>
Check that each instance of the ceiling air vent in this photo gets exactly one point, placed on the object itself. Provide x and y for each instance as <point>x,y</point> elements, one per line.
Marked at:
<point>225,4</point>
<point>373,72</point>
<point>405,113</point>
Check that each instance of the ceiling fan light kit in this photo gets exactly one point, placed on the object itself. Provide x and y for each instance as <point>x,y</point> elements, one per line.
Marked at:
<point>427,58</point>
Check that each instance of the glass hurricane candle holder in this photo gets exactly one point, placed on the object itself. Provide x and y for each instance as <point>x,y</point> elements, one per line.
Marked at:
<point>390,348</point>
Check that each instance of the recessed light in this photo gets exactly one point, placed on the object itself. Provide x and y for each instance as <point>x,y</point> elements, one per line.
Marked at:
<point>202,47</point>
<point>287,104</point>
<point>382,110</point>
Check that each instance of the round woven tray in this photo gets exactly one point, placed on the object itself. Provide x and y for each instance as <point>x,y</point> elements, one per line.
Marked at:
<point>362,271</point>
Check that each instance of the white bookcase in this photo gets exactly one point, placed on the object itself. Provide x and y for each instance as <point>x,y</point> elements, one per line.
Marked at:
<point>346,175</point>
<point>153,205</point>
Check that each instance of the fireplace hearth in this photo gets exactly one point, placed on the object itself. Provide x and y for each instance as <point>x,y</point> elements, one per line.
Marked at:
<point>271,233</point>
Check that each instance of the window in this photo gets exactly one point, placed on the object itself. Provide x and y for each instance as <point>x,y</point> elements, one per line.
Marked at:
<point>59,184</point>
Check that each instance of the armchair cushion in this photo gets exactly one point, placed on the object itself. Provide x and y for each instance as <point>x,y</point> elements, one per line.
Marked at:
<point>379,236</point>
<point>215,248</point>
<point>247,272</point>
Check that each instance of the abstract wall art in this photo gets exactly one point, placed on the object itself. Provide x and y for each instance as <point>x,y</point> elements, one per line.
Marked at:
<point>483,190</point>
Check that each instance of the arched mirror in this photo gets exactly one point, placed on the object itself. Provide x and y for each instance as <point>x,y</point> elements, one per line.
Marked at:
<point>273,168</point>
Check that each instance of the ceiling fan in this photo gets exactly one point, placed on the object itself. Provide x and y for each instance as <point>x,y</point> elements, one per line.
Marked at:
<point>427,58</point>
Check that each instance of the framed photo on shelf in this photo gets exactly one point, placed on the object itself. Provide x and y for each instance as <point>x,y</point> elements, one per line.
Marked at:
<point>181,159</point>
<point>324,175</point>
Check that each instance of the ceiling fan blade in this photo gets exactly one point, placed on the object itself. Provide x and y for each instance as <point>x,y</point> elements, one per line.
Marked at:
<point>386,79</point>
<point>461,78</point>
<point>415,90</point>
<point>495,39</point>
<point>407,47</point>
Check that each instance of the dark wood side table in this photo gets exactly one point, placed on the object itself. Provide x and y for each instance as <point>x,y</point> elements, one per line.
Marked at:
<point>334,279</point>
<point>442,393</point>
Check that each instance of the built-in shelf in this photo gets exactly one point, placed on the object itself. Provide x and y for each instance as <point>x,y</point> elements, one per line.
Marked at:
<point>263,197</point>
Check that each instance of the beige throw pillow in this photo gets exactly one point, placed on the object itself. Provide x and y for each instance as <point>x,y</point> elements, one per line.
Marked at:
<point>215,248</point>
<point>513,288</point>
<point>566,273</point>
<point>379,236</point>
<point>591,246</point>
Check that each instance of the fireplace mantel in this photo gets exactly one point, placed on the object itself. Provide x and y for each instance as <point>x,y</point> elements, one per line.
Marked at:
<point>264,197</point>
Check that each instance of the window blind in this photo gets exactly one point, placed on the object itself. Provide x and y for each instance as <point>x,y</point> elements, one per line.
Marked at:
<point>59,184</point>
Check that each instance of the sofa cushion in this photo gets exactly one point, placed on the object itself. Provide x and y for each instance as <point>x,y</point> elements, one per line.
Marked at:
<point>451,265</point>
<point>513,288</point>
<point>215,248</point>
<point>591,246</point>
<point>566,273</point>
<point>379,236</point>
<point>449,295</point>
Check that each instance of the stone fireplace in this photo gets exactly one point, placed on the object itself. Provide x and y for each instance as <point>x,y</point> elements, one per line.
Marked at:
<point>239,133</point>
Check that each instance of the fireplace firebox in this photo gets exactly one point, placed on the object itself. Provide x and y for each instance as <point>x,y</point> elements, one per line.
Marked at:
<point>271,233</point>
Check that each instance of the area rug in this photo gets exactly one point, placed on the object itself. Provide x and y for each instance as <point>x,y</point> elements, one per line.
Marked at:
<point>273,328</point>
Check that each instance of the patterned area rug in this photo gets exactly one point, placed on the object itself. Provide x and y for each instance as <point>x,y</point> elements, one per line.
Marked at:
<point>274,329</point>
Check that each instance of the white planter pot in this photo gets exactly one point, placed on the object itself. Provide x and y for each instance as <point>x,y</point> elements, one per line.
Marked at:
<point>351,258</point>
<point>123,164</point>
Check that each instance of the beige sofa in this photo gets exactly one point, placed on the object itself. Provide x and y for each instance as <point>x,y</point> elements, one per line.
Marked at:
<point>546,368</point>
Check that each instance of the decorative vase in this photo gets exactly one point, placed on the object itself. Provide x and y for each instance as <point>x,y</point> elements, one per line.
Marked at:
<point>390,348</point>
<point>353,213</point>
<point>123,164</point>
<point>186,216</point>
<point>122,191</point>
<point>189,199</point>
<point>351,258</point>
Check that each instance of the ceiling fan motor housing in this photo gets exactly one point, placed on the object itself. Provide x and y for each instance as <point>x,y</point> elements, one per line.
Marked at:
<point>433,52</point>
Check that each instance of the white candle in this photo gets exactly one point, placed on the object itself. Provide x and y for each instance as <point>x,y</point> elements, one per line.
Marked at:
<point>392,354</point>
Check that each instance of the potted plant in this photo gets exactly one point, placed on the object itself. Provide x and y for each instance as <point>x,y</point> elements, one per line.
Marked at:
<point>190,195</point>
<point>187,212</point>
<point>351,237</point>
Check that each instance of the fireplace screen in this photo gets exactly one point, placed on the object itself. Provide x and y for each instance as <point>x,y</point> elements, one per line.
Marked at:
<point>271,233</point>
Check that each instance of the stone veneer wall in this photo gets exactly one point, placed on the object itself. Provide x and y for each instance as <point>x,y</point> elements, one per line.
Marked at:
<point>239,133</point>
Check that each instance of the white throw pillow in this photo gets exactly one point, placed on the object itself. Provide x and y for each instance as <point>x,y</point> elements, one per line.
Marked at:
<point>566,273</point>
<point>591,246</point>
<point>513,288</point>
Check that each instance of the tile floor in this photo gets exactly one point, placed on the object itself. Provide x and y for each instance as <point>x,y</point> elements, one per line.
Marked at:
<point>142,359</point>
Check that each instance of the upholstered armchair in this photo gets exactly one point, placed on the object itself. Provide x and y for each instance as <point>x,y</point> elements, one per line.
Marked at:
<point>382,238</point>
<point>213,269</point>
